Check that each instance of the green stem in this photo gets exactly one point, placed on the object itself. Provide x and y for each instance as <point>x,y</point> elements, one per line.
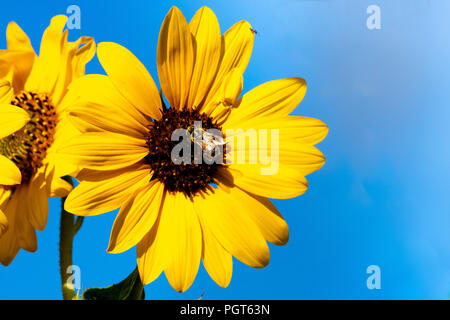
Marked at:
<point>68,229</point>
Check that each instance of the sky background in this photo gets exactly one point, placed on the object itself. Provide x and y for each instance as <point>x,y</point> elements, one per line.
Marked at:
<point>382,197</point>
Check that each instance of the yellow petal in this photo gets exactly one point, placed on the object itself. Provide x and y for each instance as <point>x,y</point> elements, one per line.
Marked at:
<point>16,38</point>
<point>37,201</point>
<point>136,217</point>
<point>265,215</point>
<point>21,55</point>
<point>238,42</point>
<point>74,56</point>
<point>130,78</point>
<point>8,243</point>
<point>98,90</point>
<point>228,94</point>
<point>272,99</point>
<point>16,66</point>
<point>23,230</point>
<point>89,117</point>
<point>287,183</point>
<point>151,255</point>
<point>56,186</point>
<point>82,56</point>
<point>60,188</point>
<point>182,238</point>
<point>276,146</point>
<point>3,223</point>
<point>231,225</point>
<point>65,131</point>
<point>9,173</point>
<point>6,92</point>
<point>217,261</point>
<point>232,87</point>
<point>45,72</point>
<point>8,249</point>
<point>237,50</point>
<point>107,191</point>
<point>175,58</point>
<point>294,128</point>
<point>206,30</point>
<point>103,151</point>
<point>12,119</point>
<point>5,193</point>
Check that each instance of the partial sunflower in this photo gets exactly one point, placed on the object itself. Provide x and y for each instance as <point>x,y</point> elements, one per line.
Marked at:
<point>32,101</point>
<point>179,214</point>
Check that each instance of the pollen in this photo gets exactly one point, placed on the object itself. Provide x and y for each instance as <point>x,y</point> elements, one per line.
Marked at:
<point>28,147</point>
<point>188,178</point>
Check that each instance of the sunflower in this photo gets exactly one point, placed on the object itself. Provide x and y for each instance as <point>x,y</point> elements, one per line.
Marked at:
<point>33,98</point>
<point>181,213</point>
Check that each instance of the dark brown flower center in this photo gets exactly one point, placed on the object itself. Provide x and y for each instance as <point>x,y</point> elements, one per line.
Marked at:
<point>197,172</point>
<point>28,147</point>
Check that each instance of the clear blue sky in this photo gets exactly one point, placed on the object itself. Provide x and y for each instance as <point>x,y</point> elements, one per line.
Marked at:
<point>383,195</point>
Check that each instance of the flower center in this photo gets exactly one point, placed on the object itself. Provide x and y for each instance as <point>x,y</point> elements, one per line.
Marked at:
<point>197,170</point>
<point>27,147</point>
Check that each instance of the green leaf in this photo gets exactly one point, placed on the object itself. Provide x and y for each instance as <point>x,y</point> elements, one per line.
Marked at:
<point>129,289</point>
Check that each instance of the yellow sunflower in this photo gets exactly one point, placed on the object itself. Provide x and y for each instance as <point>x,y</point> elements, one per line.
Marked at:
<point>180,214</point>
<point>32,101</point>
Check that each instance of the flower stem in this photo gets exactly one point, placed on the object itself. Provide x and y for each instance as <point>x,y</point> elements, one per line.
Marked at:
<point>68,229</point>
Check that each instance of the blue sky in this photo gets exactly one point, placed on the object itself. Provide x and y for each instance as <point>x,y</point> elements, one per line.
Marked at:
<point>382,197</point>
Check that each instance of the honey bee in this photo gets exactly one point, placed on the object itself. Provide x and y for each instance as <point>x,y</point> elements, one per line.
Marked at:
<point>195,132</point>
<point>206,140</point>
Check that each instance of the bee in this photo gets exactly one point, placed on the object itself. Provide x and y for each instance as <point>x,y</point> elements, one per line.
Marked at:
<point>255,32</point>
<point>194,132</point>
<point>207,141</point>
<point>211,146</point>
<point>211,139</point>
